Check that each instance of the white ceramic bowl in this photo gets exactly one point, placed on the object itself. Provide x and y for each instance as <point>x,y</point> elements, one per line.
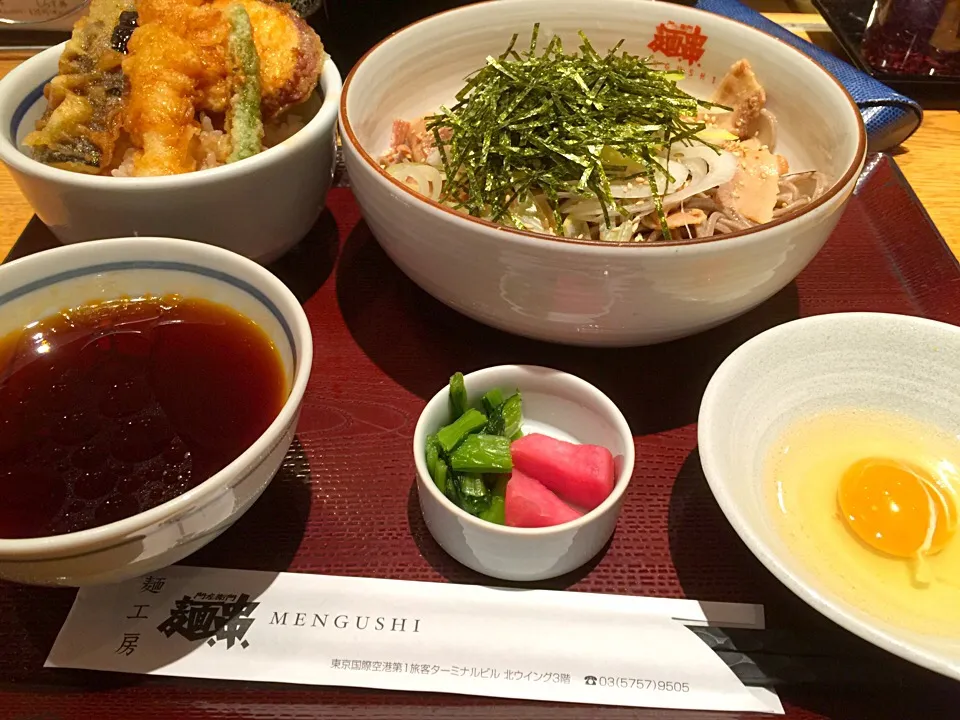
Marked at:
<point>47,282</point>
<point>259,208</point>
<point>886,362</point>
<point>556,404</point>
<point>571,291</point>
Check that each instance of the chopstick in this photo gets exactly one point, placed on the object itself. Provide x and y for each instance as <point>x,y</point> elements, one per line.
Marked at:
<point>778,658</point>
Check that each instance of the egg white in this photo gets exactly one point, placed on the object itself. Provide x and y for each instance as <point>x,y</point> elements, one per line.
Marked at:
<point>802,473</point>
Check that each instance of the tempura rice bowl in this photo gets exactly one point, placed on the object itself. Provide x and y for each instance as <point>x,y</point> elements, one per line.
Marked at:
<point>259,207</point>
<point>583,292</point>
<point>212,146</point>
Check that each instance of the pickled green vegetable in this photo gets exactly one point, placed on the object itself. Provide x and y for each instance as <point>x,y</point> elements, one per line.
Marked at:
<point>475,496</point>
<point>482,454</point>
<point>469,459</point>
<point>453,434</point>
<point>512,413</point>
<point>440,478</point>
<point>498,495</point>
<point>494,422</point>
<point>492,401</point>
<point>458,395</point>
<point>432,455</point>
<point>503,418</point>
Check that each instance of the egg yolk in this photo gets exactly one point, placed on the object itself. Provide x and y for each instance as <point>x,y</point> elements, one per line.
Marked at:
<point>897,508</point>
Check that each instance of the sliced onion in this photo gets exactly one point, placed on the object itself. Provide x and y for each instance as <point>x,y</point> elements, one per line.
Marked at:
<point>620,233</point>
<point>701,168</point>
<point>680,172</point>
<point>424,179</point>
<point>618,165</point>
<point>576,229</point>
<point>707,171</point>
<point>588,210</point>
<point>636,188</point>
<point>639,188</point>
<point>720,168</point>
<point>535,215</point>
<point>767,129</point>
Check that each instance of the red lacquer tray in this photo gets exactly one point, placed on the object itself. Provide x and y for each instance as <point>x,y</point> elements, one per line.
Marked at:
<point>345,502</point>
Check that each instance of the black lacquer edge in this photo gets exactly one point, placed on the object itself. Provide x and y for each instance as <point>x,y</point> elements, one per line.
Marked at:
<point>933,93</point>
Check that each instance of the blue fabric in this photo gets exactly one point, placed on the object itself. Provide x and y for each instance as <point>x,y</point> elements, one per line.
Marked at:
<point>890,118</point>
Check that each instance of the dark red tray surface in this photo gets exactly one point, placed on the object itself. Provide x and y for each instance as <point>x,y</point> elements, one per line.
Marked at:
<point>345,502</point>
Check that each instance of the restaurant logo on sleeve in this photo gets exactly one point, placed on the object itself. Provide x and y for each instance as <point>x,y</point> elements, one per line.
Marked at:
<point>211,617</point>
<point>674,40</point>
<point>218,618</point>
<point>346,622</point>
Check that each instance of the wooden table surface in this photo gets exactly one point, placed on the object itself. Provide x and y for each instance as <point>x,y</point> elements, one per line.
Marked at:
<point>928,159</point>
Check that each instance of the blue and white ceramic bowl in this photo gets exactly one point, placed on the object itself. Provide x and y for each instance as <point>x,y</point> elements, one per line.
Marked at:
<point>45,283</point>
<point>260,207</point>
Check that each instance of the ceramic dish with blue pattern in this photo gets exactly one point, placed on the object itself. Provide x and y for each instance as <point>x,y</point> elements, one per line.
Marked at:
<point>259,207</point>
<point>141,396</point>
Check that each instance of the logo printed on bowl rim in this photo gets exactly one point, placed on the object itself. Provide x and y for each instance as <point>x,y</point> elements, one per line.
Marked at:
<point>679,40</point>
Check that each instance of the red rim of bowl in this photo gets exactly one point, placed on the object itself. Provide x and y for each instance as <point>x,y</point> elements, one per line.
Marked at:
<point>831,193</point>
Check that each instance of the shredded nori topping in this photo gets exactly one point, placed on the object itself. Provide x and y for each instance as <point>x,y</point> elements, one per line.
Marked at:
<point>528,123</point>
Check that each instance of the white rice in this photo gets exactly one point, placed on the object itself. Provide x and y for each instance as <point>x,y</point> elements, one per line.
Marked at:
<point>213,146</point>
<point>125,169</point>
<point>281,129</point>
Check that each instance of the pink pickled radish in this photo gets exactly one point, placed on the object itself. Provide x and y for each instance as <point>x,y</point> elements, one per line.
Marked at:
<point>528,504</point>
<point>582,475</point>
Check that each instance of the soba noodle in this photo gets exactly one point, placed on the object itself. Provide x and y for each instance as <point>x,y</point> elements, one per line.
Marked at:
<point>723,179</point>
<point>724,220</point>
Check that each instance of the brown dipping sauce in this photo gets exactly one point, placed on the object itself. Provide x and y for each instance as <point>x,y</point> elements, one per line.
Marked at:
<point>114,408</point>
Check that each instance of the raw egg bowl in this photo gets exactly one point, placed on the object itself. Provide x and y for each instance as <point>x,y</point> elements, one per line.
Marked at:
<point>75,275</point>
<point>868,363</point>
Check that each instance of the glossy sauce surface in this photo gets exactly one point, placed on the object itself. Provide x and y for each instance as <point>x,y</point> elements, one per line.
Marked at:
<point>111,409</point>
